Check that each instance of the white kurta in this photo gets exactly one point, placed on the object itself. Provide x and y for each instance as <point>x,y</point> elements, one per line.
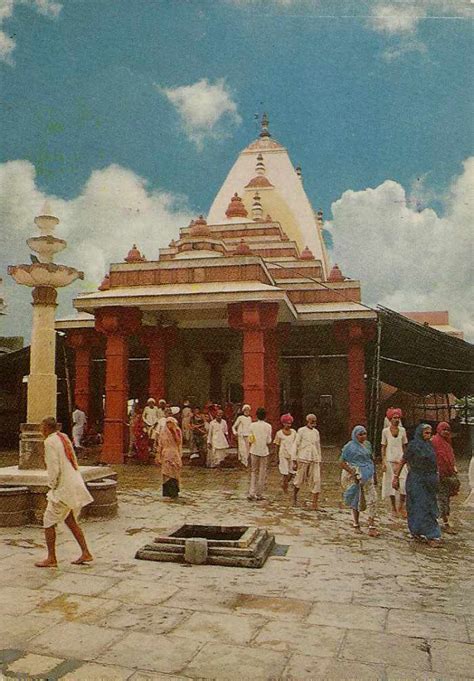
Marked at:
<point>79,421</point>
<point>68,491</point>
<point>285,442</point>
<point>217,439</point>
<point>241,429</point>
<point>186,423</point>
<point>393,455</point>
<point>307,445</point>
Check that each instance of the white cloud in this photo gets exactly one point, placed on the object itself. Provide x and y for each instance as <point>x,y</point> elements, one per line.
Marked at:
<point>115,209</point>
<point>206,109</point>
<point>399,21</point>
<point>48,8</point>
<point>406,256</point>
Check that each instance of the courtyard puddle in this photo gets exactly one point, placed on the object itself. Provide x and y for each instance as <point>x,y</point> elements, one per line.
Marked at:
<point>69,609</point>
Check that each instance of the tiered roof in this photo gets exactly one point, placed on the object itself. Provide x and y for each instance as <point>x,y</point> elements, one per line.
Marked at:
<point>242,254</point>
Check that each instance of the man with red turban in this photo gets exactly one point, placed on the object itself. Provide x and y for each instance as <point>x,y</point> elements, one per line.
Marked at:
<point>394,443</point>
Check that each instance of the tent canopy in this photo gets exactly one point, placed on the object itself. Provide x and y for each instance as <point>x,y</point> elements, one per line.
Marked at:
<point>419,359</point>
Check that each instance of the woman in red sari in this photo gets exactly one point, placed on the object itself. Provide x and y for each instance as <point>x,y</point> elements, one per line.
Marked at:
<point>169,454</point>
<point>448,479</point>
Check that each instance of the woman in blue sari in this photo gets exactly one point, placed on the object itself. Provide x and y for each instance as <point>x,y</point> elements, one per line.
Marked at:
<point>357,478</point>
<point>421,487</point>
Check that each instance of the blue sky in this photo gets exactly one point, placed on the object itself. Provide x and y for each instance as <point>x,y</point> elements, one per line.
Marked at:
<point>359,93</point>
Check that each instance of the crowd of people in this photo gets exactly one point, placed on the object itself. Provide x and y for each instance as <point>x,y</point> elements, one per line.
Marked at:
<point>419,476</point>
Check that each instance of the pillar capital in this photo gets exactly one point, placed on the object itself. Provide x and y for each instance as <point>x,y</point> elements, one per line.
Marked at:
<point>82,338</point>
<point>44,295</point>
<point>118,321</point>
<point>252,315</point>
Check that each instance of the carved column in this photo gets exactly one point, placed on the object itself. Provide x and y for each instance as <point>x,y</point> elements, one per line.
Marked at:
<point>117,323</point>
<point>83,341</point>
<point>253,319</point>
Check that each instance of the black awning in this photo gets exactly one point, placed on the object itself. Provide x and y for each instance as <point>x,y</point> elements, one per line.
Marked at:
<point>418,359</point>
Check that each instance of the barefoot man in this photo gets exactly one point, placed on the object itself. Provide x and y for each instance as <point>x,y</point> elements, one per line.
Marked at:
<point>67,495</point>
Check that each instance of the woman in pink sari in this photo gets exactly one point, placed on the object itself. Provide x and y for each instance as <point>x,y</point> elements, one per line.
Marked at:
<point>169,454</point>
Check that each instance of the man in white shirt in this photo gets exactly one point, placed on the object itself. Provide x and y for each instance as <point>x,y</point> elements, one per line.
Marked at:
<point>79,421</point>
<point>306,451</point>
<point>217,442</point>
<point>67,494</point>
<point>241,429</point>
<point>260,437</point>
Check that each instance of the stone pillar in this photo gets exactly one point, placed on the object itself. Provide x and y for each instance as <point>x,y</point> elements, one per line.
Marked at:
<point>117,323</point>
<point>253,319</point>
<point>83,342</point>
<point>353,336</point>
<point>42,380</point>
<point>272,377</point>
<point>216,361</point>
<point>154,337</point>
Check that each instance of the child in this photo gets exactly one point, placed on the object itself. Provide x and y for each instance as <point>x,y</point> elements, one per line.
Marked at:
<point>284,440</point>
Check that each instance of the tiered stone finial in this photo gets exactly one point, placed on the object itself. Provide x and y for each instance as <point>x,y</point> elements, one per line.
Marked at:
<point>299,172</point>
<point>335,274</point>
<point>236,208</point>
<point>243,248</point>
<point>264,132</point>
<point>105,283</point>
<point>257,210</point>
<point>199,227</point>
<point>134,255</point>
<point>260,165</point>
<point>307,254</point>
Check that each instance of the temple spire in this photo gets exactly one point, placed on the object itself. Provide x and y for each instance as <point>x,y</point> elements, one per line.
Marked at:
<point>264,132</point>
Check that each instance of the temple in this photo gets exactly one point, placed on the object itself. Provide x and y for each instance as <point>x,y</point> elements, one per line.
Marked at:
<point>242,306</point>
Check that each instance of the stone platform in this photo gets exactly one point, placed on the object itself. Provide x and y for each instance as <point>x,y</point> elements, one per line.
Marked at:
<point>23,494</point>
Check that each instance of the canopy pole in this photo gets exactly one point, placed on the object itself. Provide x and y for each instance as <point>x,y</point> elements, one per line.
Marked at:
<point>375,392</point>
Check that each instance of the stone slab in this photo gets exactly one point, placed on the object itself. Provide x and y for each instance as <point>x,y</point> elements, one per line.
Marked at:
<point>135,592</point>
<point>427,624</point>
<point>98,672</point>
<point>150,620</point>
<point>373,647</point>
<point>74,640</point>
<point>348,616</point>
<point>217,661</point>
<point>81,583</point>
<point>86,609</point>
<point>204,599</point>
<point>356,671</point>
<point>152,653</point>
<point>12,475</point>
<point>453,658</point>
<point>34,665</point>
<point>236,629</point>
<point>17,600</point>
<point>15,630</point>
<point>306,668</point>
<point>275,607</point>
<point>290,637</point>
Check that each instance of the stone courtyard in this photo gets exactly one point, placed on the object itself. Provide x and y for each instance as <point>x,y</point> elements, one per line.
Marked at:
<point>327,605</point>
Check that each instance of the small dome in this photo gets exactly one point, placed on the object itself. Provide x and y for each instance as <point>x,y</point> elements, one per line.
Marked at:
<point>134,255</point>
<point>243,248</point>
<point>307,254</point>
<point>200,228</point>
<point>236,208</point>
<point>105,284</point>
<point>259,181</point>
<point>335,274</point>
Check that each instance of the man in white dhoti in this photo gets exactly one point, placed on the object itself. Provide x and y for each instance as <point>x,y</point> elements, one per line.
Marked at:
<point>260,437</point>
<point>394,444</point>
<point>151,417</point>
<point>241,429</point>
<point>67,492</point>
<point>79,422</point>
<point>217,443</point>
<point>306,451</point>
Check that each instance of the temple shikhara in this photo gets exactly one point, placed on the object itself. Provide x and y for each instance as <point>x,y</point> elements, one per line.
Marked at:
<point>243,306</point>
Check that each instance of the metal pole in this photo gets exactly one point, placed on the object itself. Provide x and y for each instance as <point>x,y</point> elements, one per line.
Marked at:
<point>376,388</point>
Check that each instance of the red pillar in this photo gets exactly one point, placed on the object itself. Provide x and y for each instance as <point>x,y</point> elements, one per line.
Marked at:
<point>253,319</point>
<point>272,377</point>
<point>154,338</point>
<point>83,342</point>
<point>353,336</point>
<point>117,324</point>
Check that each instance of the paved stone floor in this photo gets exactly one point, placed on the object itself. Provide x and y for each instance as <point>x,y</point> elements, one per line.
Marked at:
<point>336,606</point>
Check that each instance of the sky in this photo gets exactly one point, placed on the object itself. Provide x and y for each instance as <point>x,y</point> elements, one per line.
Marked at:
<point>127,115</point>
